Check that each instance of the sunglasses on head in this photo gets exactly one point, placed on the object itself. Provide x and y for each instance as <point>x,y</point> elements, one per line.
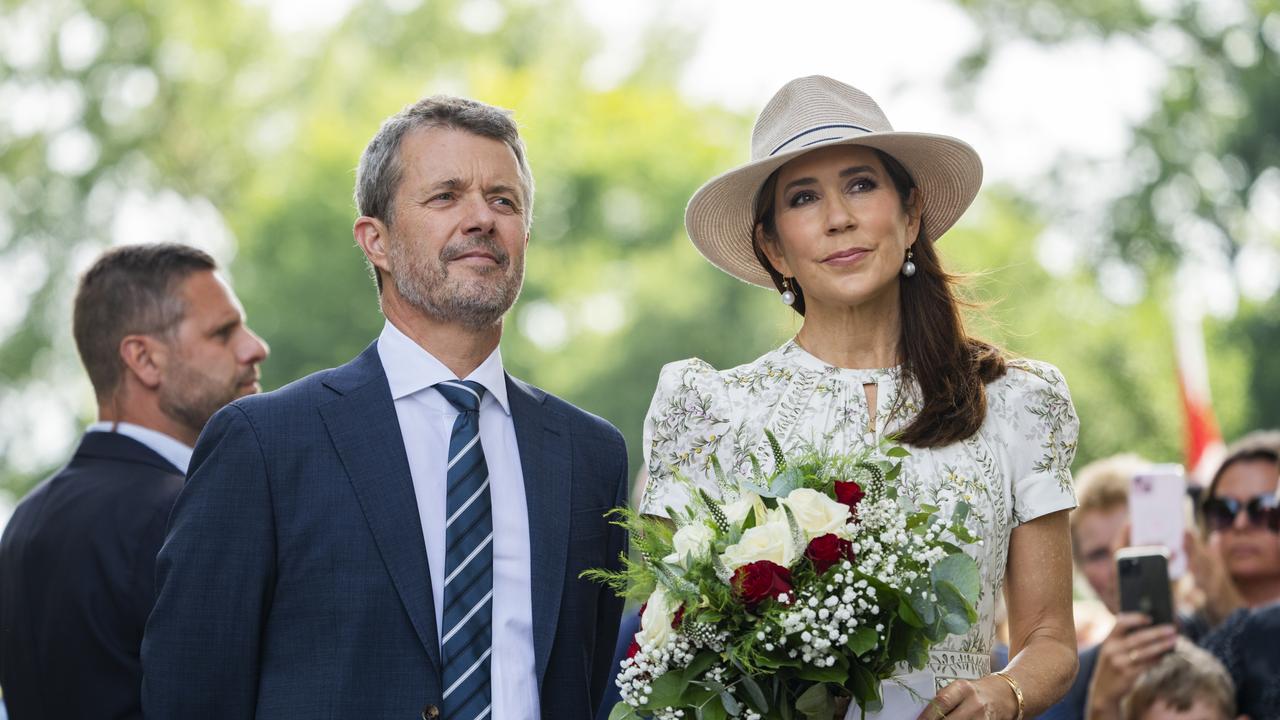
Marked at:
<point>1262,511</point>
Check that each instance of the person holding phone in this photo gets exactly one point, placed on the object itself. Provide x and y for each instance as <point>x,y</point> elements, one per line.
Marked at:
<point>1099,528</point>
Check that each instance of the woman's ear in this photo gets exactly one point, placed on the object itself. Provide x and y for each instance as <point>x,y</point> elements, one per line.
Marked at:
<point>772,249</point>
<point>915,210</point>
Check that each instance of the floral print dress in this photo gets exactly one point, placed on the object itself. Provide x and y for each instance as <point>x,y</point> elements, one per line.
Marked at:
<point>1014,469</point>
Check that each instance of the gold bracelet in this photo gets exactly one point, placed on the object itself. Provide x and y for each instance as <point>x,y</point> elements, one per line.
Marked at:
<point>1017,690</point>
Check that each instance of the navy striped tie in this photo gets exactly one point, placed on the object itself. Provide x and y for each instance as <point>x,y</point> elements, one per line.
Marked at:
<point>468,561</point>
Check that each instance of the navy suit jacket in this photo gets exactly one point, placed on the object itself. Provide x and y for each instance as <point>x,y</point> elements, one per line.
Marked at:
<point>293,581</point>
<point>77,580</point>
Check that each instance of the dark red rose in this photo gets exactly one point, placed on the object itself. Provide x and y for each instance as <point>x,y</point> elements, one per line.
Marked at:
<point>827,550</point>
<point>850,493</point>
<point>634,647</point>
<point>678,617</point>
<point>759,581</point>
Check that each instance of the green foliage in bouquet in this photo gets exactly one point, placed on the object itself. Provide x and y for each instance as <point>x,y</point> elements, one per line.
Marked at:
<point>811,582</point>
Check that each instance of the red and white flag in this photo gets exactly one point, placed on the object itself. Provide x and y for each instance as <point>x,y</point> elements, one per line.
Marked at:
<point>1204,448</point>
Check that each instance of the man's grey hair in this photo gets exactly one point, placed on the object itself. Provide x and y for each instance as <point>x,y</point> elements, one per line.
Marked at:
<point>380,169</point>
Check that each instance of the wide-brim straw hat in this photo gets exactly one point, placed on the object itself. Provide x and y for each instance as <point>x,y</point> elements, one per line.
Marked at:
<point>810,113</point>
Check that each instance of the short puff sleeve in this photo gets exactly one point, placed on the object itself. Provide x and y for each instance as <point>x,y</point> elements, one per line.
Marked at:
<point>686,426</point>
<point>1040,430</point>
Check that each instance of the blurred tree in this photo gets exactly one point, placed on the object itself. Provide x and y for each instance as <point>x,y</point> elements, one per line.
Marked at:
<point>214,124</point>
<point>1201,211</point>
<point>119,120</point>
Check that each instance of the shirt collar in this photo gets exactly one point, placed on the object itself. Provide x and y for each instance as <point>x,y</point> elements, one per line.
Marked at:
<point>175,451</point>
<point>411,369</point>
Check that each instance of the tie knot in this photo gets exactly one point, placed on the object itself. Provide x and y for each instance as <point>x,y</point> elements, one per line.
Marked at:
<point>463,395</point>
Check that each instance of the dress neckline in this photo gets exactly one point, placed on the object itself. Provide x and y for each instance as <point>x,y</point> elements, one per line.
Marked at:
<point>793,352</point>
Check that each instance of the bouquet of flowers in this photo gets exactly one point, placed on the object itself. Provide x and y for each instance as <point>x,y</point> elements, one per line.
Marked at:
<point>813,583</point>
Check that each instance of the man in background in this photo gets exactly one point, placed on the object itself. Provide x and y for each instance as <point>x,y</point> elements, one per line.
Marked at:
<point>163,339</point>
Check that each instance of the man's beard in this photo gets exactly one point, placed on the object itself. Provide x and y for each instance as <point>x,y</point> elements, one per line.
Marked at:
<point>475,303</point>
<point>191,397</point>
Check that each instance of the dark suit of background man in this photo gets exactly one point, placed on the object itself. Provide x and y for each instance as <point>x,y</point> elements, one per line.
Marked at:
<point>163,339</point>
<point>401,536</point>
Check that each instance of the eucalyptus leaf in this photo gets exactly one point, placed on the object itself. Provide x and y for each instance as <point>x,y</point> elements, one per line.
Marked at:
<point>623,711</point>
<point>761,490</point>
<point>962,572</point>
<point>731,705</point>
<point>956,624</point>
<point>920,602</point>
<point>713,711</point>
<point>897,451</point>
<point>863,684</point>
<point>757,695</point>
<point>862,640</point>
<point>666,690</point>
<point>909,615</point>
<point>784,482</point>
<point>816,703</point>
<point>918,651</point>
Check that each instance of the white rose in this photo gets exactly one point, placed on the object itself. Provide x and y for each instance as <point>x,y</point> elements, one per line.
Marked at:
<point>816,513</point>
<point>655,623</point>
<point>769,541</point>
<point>693,539</point>
<point>737,510</point>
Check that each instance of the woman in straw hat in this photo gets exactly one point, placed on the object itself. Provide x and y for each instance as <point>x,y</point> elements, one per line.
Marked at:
<point>838,214</point>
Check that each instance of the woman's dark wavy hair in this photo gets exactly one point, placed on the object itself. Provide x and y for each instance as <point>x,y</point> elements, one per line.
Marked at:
<point>951,368</point>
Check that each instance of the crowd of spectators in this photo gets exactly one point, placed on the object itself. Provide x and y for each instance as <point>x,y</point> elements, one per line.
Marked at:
<point>1221,656</point>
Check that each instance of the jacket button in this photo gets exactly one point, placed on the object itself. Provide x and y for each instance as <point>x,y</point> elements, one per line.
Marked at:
<point>431,712</point>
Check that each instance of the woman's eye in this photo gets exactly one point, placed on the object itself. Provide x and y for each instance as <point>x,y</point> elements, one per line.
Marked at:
<point>862,185</point>
<point>802,198</point>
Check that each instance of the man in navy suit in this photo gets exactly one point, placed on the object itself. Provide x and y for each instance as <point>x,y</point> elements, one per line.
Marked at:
<point>402,536</point>
<point>164,342</point>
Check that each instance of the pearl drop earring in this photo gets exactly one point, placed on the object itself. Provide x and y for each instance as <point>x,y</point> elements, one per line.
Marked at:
<point>908,267</point>
<point>788,297</point>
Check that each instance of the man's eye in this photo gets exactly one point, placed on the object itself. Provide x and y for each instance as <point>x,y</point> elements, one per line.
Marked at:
<point>442,197</point>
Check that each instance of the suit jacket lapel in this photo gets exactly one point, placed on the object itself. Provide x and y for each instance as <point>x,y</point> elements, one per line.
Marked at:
<point>547,464</point>
<point>364,428</point>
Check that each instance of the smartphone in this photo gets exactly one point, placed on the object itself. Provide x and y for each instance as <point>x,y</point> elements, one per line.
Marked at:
<point>1144,583</point>
<point>1158,512</point>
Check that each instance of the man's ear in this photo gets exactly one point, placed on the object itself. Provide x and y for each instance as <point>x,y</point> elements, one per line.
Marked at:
<point>772,251</point>
<point>373,237</point>
<point>145,358</point>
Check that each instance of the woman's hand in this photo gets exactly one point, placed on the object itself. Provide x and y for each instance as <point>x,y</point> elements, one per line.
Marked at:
<point>1133,646</point>
<point>989,698</point>
<point>1210,572</point>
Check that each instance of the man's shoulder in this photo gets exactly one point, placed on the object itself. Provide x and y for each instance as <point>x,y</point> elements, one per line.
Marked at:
<point>307,393</point>
<point>577,420</point>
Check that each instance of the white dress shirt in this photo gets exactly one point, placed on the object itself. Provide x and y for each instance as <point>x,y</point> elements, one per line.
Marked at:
<point>171,449</point>
<point>426,423</point>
